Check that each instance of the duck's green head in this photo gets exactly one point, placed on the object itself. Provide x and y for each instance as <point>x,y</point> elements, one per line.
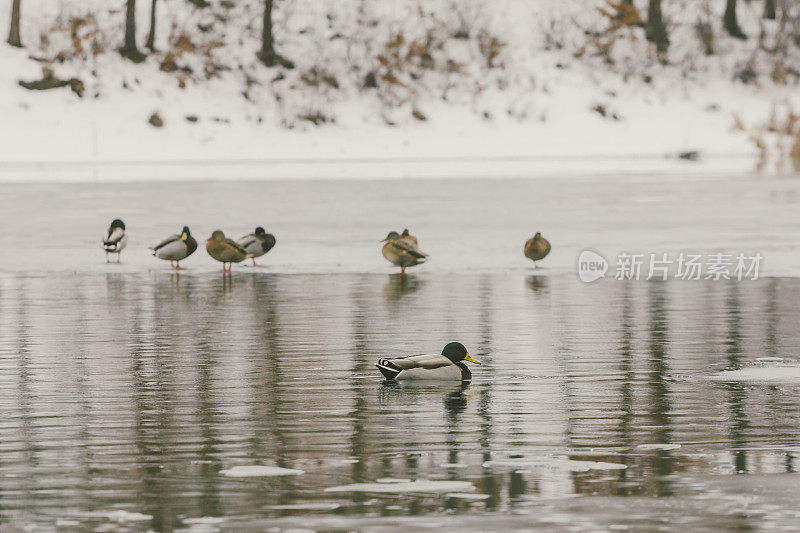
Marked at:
<point>185,233</point>
<point>406,233</point>
<point>455,351</point>
<point>393,235</point>
<point>260,231</point>
<point>117,223</point>
<point>217,236</point>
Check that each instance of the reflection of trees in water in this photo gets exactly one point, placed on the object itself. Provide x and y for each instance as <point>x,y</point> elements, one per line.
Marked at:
<point>359,435</point>
<point>151,342</point>
<point>660,406</point>
<point>625,433</point>
<point>736,392</point>
<point>261,300</point>
<point>485,392</point>
<point>25,395</point>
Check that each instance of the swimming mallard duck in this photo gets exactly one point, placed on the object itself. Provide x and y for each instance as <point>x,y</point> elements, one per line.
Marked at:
<point>225,250</point>
<point>176,247</point>
<point>447,366</point>
<point>257,243</point>
<point>537,248</point>
<point>407,236</point>
<point>402,251</point>
<point>114,239</point>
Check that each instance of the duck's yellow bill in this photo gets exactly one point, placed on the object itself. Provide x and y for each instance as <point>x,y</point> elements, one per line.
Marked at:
<point>184,236</point>
<point>471,359</point>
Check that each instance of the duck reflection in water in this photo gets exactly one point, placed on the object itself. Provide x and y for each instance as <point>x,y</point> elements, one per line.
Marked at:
<point>538,284</point>
<point>398,286</point>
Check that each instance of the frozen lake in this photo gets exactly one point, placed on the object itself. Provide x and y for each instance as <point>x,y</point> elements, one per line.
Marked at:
<point>135,398</point>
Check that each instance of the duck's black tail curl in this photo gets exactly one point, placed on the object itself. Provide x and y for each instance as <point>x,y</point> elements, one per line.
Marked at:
<point>388,369</point>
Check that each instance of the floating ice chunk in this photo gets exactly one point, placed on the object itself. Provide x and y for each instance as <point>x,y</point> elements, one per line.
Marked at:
<point>467,496</point>
<point>119,516</point>
<point>305,507</point>
<point>260,471</point>
<point>555,463</point>
<point>204,520</point>
<point>658,446</point>
<point>420,485</point>
<point>771,374</point>
<point>392,480</point>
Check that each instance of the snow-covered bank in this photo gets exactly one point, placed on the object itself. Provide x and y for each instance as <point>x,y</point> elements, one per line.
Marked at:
<point>552,101</point>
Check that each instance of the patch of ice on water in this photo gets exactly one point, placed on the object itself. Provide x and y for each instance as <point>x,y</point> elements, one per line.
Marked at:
<point>454,465</point>
<point>119,516</point>
<point>554,463</point>
<point>420,485</point>
<point>260,471</point>
<point>771,374</point>
<point>467,496</point>
<point>392,480</point>
<point>658,446</point>
<point>204,520</point>
<point>305,507</point>
<point>770,359</point>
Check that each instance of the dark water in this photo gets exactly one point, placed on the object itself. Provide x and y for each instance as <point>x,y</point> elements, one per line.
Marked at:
<point>132,392</point>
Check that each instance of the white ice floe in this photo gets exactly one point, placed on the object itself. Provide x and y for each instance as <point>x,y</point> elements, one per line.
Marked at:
<point>392,480</point>
<point>467,496</point>
<point>761,374</point>
<point>204,520</point>
<point>119,516</point>
<point>658,446</point>
<point>556,463</point>
<point>260,471</point>
<point>305,507</point>
<point>420,485</point>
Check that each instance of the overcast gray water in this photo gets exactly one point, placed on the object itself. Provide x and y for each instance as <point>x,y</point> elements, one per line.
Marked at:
<point>134,398</point>
<point>134,392</point>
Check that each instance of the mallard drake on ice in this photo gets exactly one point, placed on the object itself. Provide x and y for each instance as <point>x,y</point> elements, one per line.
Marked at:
<point>537,248</point>
<point>114,239</point>
<point>449,365</point>
<point>225,250</point>
<point>257,243</point>
<point>402,251</point>
<point>176,248</point>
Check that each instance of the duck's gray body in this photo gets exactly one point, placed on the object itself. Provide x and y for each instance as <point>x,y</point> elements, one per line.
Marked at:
<point>434,367</point>
<point>173,248</point>
<point>114,240</point>
<point>257,245</point>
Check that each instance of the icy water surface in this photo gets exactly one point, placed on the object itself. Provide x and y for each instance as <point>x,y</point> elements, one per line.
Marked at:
<point>133,398</point>
<point>162,401</point>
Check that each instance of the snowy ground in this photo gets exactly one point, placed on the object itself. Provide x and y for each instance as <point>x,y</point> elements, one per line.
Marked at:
<point>540,100</point>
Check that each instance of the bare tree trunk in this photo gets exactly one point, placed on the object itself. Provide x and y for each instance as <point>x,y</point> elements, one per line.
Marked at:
<point>13,33</point>
<point>129,49</point>
<point>769,10</point>
<point>267,54</point>
<point>151,37</point>
<point>730,23</point>
<point>656,30</point>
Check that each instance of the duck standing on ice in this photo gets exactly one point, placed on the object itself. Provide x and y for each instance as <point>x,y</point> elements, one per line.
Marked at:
<point>114,239</point>
<point>402,250</point>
